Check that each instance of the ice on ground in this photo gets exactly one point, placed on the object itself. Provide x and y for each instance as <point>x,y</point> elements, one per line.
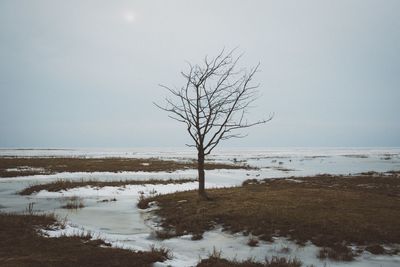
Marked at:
<point>122,224</point>
<point>25,169</point>
<point>117,191</point>
<point>219,153</point>
<point>187,252</point>
<point>105,176</point>
<point>273,162</point>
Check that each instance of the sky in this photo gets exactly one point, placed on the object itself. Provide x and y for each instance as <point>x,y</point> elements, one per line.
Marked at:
<point>84,73</point>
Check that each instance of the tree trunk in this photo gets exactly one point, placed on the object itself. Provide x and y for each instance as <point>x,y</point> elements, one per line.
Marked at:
<point>200,168</point>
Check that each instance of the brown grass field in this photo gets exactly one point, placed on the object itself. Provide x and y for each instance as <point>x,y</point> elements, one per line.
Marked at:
<point>21,245</point>
<point>215,260</point>
<point>333,212</point>
<point>51,165</point>
<point>330,211</point>
<point>274,262</point>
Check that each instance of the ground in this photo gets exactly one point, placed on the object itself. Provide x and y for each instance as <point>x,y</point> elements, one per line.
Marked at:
<point>67,184</point>
<point>20,166</point>
<point>22,245</point>
<point>329,216</point>
<point>333,212</point>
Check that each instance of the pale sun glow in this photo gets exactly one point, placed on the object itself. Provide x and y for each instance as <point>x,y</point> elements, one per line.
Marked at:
<point>129,16</point>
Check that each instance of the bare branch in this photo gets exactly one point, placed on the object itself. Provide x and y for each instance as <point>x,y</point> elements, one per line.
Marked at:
<point>214,101</point>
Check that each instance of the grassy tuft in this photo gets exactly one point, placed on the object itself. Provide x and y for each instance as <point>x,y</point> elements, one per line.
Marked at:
<point>217,261</point>
<point>336,252</point>
<point>74,203</point>
<point>162,234</point>
<point>108,200</point>
<point>197,236</point>
<point>253,242</point>
<point>375,249</point>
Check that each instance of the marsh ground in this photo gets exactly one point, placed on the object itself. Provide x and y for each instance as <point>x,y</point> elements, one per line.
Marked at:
<point>20,166</point>
<point>110,210</point>
<point>333,212</point>
<point>21,244</point>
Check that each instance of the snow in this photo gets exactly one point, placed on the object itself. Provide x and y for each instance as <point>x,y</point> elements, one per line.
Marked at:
<point>122,224</point>
<point>25,169</point>
<point>231,247</point>
<point>114,191</point>
<point>220,154</point>
<point>110,176</point>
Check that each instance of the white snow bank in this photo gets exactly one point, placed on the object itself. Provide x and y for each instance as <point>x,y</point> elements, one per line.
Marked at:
<point>187,252</point>
<point>25,169</point>
<point>128,190</point>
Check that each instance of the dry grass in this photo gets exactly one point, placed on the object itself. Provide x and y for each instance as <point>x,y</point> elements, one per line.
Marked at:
<point>108,200</point>
<point>51,165</point>
<point>215,260</point>
<point>375,249</point>
<point>161,234</point>
<point>253,242</point>
<point>326,210</point>
<point>68,184</point>
<point>20,245</point>
<point>337,252</point>
<point>73,203</point>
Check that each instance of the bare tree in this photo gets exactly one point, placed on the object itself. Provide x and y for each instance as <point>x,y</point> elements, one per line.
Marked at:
<point>213,104</point>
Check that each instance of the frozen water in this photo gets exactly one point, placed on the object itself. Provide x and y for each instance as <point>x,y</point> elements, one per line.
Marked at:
<point>122,224</point>
<point>303,161</point>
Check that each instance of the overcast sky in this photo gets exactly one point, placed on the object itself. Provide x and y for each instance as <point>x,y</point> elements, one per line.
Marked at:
<point>85,73</point>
